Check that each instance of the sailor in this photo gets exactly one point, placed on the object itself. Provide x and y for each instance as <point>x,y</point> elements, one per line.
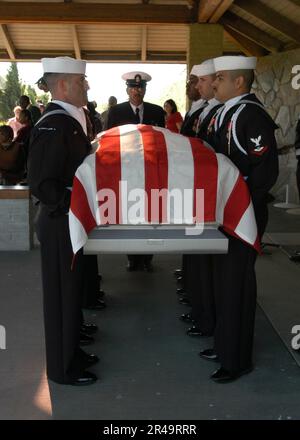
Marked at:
<point>199,279</point>
<point>136,111</point>
<point>58,146</point>
<point>243,131</point>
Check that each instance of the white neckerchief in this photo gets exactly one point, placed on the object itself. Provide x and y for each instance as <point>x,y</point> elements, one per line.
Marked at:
<point>76,112</point>
<point>227,106</point>
<point>141,110</point>
<point>211,104</point>
<point>195,106</point>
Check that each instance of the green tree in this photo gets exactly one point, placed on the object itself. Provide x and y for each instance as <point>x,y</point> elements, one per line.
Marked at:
<point>11,92</point>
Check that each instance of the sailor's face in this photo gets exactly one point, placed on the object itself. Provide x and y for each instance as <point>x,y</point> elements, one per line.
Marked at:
<point>205,86</point>
<point>136,95</point>
<point>76,89</point>
<point>224,86</point>
<point>191,88</point>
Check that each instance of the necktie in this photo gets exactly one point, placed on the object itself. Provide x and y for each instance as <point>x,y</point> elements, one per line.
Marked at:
<point>137,116</point>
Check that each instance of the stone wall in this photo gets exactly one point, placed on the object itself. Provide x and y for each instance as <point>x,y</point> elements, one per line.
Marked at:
<point>273,87</point>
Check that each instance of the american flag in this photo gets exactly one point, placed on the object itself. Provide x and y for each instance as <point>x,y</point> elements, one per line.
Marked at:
<point>137,160</point>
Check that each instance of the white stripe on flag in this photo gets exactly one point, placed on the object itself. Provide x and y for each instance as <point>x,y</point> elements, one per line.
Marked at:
<point>86,174</point>
<point>180,177</point>
<point>246,229</point>
<point>228,174</point>
<point>132,175</point>
<point>77,233</point>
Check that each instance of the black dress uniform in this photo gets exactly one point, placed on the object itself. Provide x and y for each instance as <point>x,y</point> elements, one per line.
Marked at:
<point>188,128</point>
<point>58,146</point>
<point>246,136</point>
<point>200,272</point>
<point>122,114</point>
<point>190,121</point>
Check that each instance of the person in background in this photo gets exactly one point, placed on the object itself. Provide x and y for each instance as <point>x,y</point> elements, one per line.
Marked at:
<point>136,111</point>
<point>34,110</point>
<point>173,117</point>
<point>23,134</point>
<point>12,158</point>
<point>15,123</point>
<point>112,101</point>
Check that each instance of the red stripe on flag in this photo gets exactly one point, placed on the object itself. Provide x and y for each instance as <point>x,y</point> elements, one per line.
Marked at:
<point>205,177</point>
<point>156,171</point>
<point>108,169</point>
<point>236,205</point>
<point>80,206</point>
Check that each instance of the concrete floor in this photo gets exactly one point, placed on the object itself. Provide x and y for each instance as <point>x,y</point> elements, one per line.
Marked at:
<point>149,368</point>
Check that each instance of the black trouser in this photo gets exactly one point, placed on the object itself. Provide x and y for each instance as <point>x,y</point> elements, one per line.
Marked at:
<point>235,293</point>
<point>201,292</point>
<point>235,299</point>
<point>139,261</point>
<point>62,297</point>
<point>91,284</point>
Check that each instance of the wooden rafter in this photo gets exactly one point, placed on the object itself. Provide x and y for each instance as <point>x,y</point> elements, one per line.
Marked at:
<point>206,9</point>
<point>88,13</point>
<point>251,32</point>
<point>8,42</point>
<point>247,46</point>
<point>76,42</point>
<point>220,11</point>
<point>270,17</point>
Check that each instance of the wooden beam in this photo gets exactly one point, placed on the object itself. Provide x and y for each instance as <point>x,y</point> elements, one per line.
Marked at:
<point>220,11</point>
<point>102,56</point>
<point>76,42</point>
<point>87,13</point>
<point>247,46</point>
<point>270,17</point>
<point>8,42</point>
<point>206,9</point>
<point>251,32</point>
<point>144,43</point>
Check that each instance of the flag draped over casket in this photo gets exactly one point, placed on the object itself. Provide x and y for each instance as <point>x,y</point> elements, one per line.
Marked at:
<point>116,184</point>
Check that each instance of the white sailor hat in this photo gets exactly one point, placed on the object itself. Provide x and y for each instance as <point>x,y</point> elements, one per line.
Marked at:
<point>205,68</point>
<point>237,62</point>
<point>194,70</point>
<point>63,65</point>
<point>136,79</point>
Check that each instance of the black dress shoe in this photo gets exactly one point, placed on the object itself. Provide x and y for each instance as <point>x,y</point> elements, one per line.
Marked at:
<point>195,331</point>
<point>148,267</point>
<point>178,273</point>
<point>184,300</point>
<point>131,267</point>
<point>100,294</point>
<point>86,378</point>
<point>99,305</point>
<point>89,329</point>
<point>223,376</point>
<point>209,354</point>
<point>91,359</point>
<point>86,339</point>
<point>186,317</point>
<point>179,280</point>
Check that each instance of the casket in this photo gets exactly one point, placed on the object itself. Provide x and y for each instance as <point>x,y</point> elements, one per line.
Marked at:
<point>147,190</point>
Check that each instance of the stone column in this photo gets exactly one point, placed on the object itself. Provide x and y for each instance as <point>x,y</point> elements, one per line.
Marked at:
<point>205,41</point>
